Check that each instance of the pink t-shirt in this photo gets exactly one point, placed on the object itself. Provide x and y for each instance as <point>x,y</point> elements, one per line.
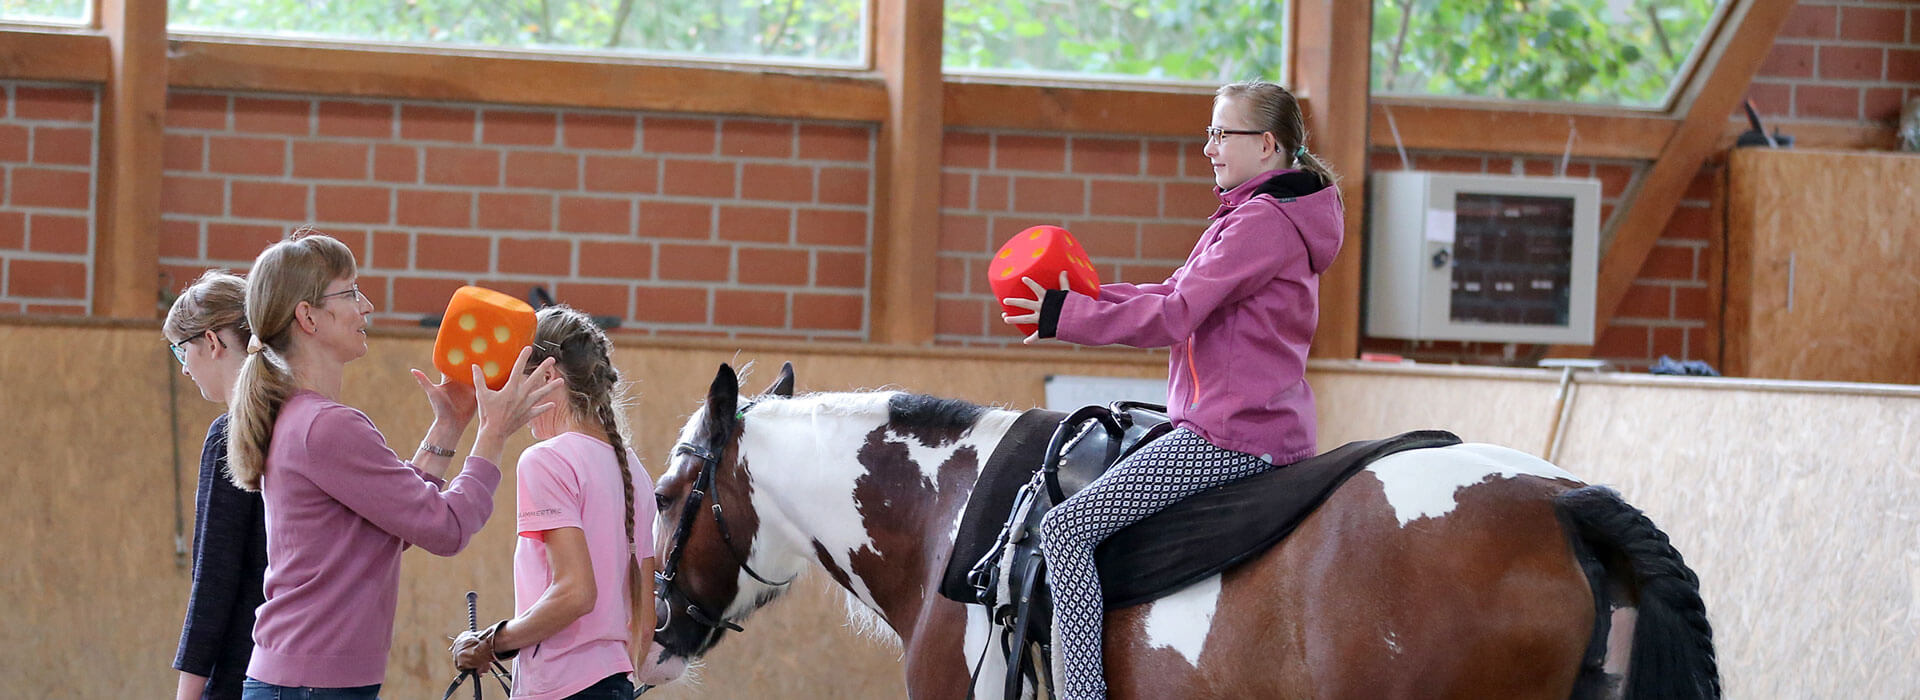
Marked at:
<point>572,480</point>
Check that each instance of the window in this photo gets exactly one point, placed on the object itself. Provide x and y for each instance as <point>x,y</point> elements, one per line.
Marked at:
<point>1619,52</point>
<point>1205,41</point>
<point>54,11</point>
<point>814,32</point>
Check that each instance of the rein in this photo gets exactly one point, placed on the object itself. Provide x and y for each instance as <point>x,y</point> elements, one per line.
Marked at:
<point>709,456</point>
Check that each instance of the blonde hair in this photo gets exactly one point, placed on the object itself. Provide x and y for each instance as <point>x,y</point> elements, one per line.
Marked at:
<point>595,391</point>
<point>217,300</point>
<point>1273,109</point>
<point>294,270</point>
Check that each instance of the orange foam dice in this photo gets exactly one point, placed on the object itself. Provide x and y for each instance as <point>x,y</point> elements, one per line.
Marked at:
<point>1042,253</point>
<point>485,328</point>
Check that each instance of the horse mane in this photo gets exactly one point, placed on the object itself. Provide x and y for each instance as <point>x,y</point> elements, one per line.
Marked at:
<point>923,411</point>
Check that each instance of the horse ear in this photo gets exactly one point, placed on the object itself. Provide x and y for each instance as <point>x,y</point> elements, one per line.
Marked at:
<point>783,384</point>
<point>723,398</point>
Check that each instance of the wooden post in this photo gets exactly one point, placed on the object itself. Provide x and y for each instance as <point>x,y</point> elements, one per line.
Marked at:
<point>1330,73</point>
<point>126,250</point>
<point>906,227</point>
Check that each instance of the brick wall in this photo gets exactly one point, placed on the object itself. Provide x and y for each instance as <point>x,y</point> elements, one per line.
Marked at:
<point>1842,60</point>
<point>47,158</point>
<point>681,225</point>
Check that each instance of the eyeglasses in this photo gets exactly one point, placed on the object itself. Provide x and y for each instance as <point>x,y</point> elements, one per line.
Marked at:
<point>350,292</point>
<point>180,349</point>
<point>1215,134</point>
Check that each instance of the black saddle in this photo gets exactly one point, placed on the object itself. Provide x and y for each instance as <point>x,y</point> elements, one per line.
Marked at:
<point>1188,541</point>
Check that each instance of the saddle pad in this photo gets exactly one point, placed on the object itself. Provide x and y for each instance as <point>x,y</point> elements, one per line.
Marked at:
<point>1210,531</point>
<point>1011,465</point>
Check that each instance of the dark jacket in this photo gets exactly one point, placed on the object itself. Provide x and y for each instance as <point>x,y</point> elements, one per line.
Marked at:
<point>229,560</point>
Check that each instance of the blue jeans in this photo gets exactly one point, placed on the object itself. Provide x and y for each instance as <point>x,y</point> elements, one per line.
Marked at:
<point>257,690</point>
<point>614,687</point>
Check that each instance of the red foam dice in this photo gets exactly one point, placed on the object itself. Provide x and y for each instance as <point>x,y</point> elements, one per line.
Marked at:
<point>1042,253</point>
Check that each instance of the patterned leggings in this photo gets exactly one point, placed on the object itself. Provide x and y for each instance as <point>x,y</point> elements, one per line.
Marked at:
<point>1168,469</point>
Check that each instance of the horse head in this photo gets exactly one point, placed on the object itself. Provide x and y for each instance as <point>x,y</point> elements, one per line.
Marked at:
<point>705,583</point>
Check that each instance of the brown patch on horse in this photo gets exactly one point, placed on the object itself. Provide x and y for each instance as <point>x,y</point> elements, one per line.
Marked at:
<point>897,503</point>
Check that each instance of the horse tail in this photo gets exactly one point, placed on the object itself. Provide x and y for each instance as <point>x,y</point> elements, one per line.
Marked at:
<point>1672,655</point>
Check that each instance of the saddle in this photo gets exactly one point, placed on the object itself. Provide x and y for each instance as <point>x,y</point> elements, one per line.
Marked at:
<point>1187,542</point>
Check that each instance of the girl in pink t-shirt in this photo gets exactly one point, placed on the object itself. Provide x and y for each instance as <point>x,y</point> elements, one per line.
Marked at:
<point>583,565</point>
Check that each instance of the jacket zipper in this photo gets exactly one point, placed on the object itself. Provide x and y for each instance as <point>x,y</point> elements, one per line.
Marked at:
<point>1193,372</point>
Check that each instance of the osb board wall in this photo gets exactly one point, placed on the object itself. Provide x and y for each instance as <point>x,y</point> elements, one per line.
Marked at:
<point>1807,555</point>
<point>1823,265</point>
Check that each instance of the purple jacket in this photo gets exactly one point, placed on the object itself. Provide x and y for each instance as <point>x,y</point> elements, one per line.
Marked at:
<point>1238,315</point>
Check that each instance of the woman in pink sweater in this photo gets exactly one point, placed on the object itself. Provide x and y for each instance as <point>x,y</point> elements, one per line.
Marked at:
<point>340,505</point>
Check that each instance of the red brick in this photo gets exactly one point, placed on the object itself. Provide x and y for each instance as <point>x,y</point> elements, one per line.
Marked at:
<point>1188,200</point>
<point>58,234</point>
<point>597,299</point>
<point>420,122</point>
<point>1668,263</point>
<point>59,189</point>
<point>1786,60</point>
<point>950,274</point>
<point>57,146</point>
<point>14,142</point>
<point>1704,187</point>
<point>1903,65</point>
<point>272,116</point>
<point>355,239</point>
<point>1125,198</point>
<point>676,135</point>
<point>53,103</point>
<point>693,262</point>
<point>1671,342</point>
<point>1852,62</point>
<point>839,312</point>
<point>844,185</point>
<point>1883,104</point>
<point>754,309</point>
<point>240,242</point>
<point>623,174</point>
<point>956,190</point>
<point>778,183</point>
<point>350,203</point>
<point>771,266</point>
<point>1691,223</point>
<point>399,164</point>
<point>1142,273</point>
<point>1693,304</point>
<point>195,195</point>
<point>1019,152</point>
<point>1647,301</point>
<point>463,166</point>
<point>178,152</point>
<point>670,305</point>
<point>241,155</point>
<point>1106,156</point>
<point>963,233</point>
<point>698,178</point>
<point>1448,163</point>
<point>959,317</point>
<point>515,211</point>
<point>451,252</point>
<point>1052,195</point>
<point>1194,162</point>
<point>992,192</point>
<point>828,227</point>
<point>536,256</point>
<point>191,110</point>
<point>676,220</point>
<point>330,160</point>
<point>179,238</point>
<point>1808,21</point>
<point>1827,102</point>
<point>596,215</point>
<point>756,139</point>
<point>391,250</point>
<point>423,295</point>
<point>1886,25</point>
<point>1772,99</point>
<point>437,208</point>
<point>371,120</point>
<point>518,128</point>
<point>966,149</point>
<point>616,260</point>
<point>56,309</point>
<point>1106,240</point>
<point>756,224</point>
<point>49,279</point>
<point>1168,241</point>
<point>374,288</point>
<point>831,269</point>
<point>1163,158</point>
<point>832,142</point>
<point>613,132</point>
<point>1613,179</point>
<point>547,170</point>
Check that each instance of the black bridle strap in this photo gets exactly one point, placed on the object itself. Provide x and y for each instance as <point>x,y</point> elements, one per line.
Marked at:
<point>709,456</point>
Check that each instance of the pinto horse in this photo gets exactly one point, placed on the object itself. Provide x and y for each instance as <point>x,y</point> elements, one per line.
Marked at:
<point>1470,571</point>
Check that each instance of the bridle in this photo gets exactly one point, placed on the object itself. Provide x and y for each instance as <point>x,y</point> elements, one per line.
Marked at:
<point>709,456</point>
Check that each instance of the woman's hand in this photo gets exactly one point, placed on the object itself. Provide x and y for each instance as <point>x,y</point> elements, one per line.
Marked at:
<point>453,402</point>
<point>505,411</point>
<point>1031,305</point>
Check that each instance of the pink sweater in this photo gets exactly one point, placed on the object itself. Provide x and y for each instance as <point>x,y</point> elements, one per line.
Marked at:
<point>340,508</point>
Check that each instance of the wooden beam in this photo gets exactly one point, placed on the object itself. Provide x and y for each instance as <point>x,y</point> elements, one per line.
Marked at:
<point>906,230</point>
<point>1519,129</point>
<point>1331,61</point>
<point>1738,48</point>
<point>126,250</point>
<point>1076,108</point>
<point>60,56</point>
<point>413,73</point>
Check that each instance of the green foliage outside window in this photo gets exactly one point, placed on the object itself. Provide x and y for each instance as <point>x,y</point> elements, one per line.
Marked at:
<point>1205,41</point>
<point>64,11</point>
